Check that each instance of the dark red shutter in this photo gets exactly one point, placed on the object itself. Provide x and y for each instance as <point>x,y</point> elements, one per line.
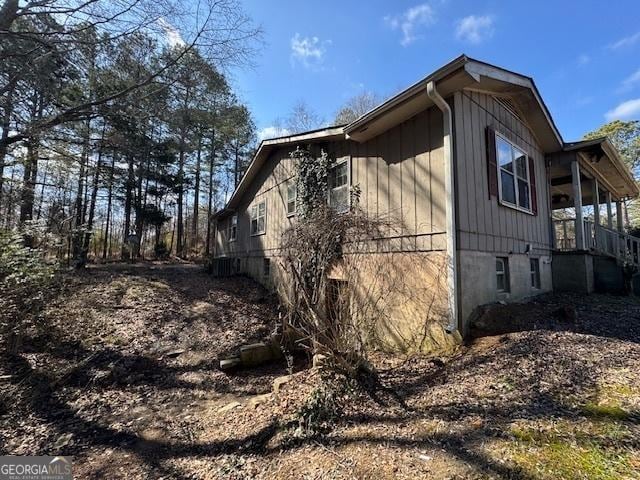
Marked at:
<point>534,192</point>
<point>492,165</point>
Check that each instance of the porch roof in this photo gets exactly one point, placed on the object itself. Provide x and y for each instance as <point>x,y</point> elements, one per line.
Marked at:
<point>598,158</point>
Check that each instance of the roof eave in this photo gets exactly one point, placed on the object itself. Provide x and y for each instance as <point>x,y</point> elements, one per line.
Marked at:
<point>265,147</point>
<point>405,94</point>
<point>618,163</point>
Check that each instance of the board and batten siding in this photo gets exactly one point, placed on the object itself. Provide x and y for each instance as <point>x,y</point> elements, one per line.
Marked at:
<point>483,224</point>
<point>400,175</point>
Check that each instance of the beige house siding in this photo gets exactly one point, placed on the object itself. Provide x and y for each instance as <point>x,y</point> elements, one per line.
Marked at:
<point>400,175</point>
<point>484,224</point>
<point>487,229</point>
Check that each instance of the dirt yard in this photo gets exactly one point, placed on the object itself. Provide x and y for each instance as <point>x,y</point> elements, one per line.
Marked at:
<point>124,378</point>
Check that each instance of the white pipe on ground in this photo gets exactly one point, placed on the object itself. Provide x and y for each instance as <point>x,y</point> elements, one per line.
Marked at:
<point>452,254</point>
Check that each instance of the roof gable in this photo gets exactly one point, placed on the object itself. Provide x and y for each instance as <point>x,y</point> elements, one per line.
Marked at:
<point>463,72</point>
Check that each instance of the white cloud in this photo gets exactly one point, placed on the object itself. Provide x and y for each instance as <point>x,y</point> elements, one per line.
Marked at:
<point>409,21</point>
<point>624,111</point>
<point>626,41</point>
<point>474,28</point>
<point>584,59</point>
<point>272,131</point>
<point>171,34</point>
<point>630,82</point>
<point>309,51</point>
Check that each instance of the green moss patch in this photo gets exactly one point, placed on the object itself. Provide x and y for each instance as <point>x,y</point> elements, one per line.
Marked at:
<point>574,450</point>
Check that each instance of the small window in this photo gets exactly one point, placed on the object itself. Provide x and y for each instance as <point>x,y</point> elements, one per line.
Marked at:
<point>513,172</point>
<point>292,198</point>
<point>535,272</point>
<point>339,187</point>
<point>233,228</point>
<point>502,274</point>
<point>266,267</point>
<point>259,218</point>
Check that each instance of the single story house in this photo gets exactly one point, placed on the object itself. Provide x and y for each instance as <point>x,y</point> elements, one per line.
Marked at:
<point>471,163</point>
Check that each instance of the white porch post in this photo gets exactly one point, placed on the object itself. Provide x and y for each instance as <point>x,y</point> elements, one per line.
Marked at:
<point>596,211</point>
<point>609,212</point>
<point>596,201</point>
<point>619,219</point>
<point>577,203</point>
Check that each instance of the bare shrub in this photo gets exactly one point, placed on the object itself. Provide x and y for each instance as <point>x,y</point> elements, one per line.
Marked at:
<point>352,280</point>
<point>317,309</point>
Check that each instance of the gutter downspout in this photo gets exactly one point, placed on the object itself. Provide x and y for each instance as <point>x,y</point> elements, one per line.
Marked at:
<point>452,254</point>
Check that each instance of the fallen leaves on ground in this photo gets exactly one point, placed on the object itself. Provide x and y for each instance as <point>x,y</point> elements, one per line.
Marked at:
<point>125,379</point>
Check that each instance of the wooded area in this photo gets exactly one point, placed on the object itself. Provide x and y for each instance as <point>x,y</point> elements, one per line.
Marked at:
<point>120,131</point>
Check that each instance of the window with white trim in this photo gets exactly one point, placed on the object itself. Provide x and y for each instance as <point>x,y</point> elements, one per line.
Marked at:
<point>502,274</point>
<point>534,264</point>
<point>233,228</point>
<point>292,197</point>
<point>339,186</point>
<point>259,218</point>
<point>514,181</point>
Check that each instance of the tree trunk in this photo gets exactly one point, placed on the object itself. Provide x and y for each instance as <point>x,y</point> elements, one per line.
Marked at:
<point>196,197</point>
<point>8,14</point>
<point>80,207</point>
<point>30,173</point>
<point>212,159</point>
<point>125,254</point>
<point>107,230</point>
<point>6,125</point>
<point>41,200</point>
<point>139,225</point>
<point>29,176</point>
<point>92,206</point>
<point>173,234</point>
<point>9,211</point>
<point>179,220</point>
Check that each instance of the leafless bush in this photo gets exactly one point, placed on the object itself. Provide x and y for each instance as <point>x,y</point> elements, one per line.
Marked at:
<point>345,288</point>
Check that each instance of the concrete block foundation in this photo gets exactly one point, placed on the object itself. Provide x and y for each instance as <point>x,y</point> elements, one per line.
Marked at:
<point>573,272</point>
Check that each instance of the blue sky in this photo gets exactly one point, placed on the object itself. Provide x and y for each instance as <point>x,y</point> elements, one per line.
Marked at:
<point>583,55</point>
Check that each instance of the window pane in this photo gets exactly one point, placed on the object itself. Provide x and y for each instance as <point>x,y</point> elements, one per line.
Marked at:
<point>523,193</point>
<point>261,208</point>
<point>521,163</point>
<point>508,188</point>
<point>338,175</point>
<point>254,225</point>
<point>500,279</point>
<point>260,225</point>
<point>505,156</point>
<point>341,174</point>
<point>291,197</point>
<point>254,212</point>
<point>339,198</point>
<point>535,272</point>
